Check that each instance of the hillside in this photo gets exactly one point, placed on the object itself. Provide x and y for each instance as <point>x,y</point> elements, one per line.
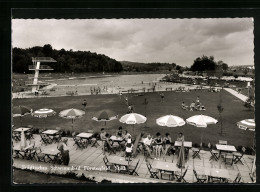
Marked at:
<point>140,67</point>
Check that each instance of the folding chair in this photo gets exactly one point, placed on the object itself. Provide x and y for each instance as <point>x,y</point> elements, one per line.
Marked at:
<point>229,158</point>
<point>79,143</point>
<point>252,177</point>
<point>16,137</point>
<point>110,166</point>
<point>200,178</point>
<point>57,138</point>
<point>236,180</point>
<point>58,159</point>
<point>153,172</point>
<point>196,153</point>
<point>238,156</point>
<point>132,169</point>
<point>37,154</point>
<point>180,176</point>
<point>214,155</point>
<point>222,142</point>
<point>45,140</point>
<point>29,135</point>
<point>94,139</point>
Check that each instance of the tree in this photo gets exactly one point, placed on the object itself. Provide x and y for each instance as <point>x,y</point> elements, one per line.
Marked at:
<point>220,110</point>
<point>204,64</point>
<point>47,50</point>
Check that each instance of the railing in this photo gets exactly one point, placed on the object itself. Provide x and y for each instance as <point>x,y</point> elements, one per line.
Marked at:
<point>42,67</point>
<point>43,59</point>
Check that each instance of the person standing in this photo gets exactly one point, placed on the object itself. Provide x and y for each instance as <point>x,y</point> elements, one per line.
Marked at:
<point>84,103</point>
<point>63,148</point>
<point>162,97</point>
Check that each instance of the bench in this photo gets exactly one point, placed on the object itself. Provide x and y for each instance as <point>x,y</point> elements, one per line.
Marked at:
<point>168,88</point>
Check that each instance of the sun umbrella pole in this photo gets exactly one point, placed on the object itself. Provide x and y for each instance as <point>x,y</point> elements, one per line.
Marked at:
<point>72,123</point>
<point>21,121</point>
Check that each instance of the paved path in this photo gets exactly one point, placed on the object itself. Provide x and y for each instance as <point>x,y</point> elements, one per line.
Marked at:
<point>236,94</point>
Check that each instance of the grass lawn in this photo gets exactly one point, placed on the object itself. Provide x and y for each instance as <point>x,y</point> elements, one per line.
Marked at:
<point>234,111</point>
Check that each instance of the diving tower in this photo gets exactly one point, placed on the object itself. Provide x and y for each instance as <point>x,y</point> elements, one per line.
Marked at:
<point>37,67</point>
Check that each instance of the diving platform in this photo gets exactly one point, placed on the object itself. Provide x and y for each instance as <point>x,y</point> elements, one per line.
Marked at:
<point>37,67</point>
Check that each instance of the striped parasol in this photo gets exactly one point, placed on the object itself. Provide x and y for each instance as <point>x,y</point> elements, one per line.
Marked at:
<point>170,121</point>
<point>20,111</point>
<point>71,114</point>
<point>247,124</point>
<point>132,119</point>
<point>43,113</point>
<point>105,115</point>
<point>201,120</point>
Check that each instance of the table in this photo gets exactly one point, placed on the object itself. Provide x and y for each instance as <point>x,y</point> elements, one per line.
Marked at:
<point>17,149</point>
<point>51,154</point>
<point>226,148</point>
<point>217,173</point>
<point>50,132</point>
<point>121,162</point>
<point>187,144</point>
<point>116,139</point>
<point>86,136</point>
<point>165,166</point>
<point>22,129</point>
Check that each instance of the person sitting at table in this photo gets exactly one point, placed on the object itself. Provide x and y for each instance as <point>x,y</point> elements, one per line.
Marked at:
<point>167,143</point>
<point>147,145</point>
<point>103,137</point>
<point>107,144</point>
<point>180,137</point>
<point>192,106</point>
<point>185,107</point>
<point>128,150</point>
<point>158,144</point>
<point>63,148</point>
<point>119,133</point>
<point>125,136</point>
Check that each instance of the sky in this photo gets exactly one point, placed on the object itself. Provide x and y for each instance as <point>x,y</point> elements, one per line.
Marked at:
<point>178,41</point>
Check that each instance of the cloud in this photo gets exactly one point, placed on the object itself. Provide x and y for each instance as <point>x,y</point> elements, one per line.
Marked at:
<point>144,40</point>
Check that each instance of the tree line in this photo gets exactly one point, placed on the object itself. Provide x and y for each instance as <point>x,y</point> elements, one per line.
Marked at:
<point>67,60</point>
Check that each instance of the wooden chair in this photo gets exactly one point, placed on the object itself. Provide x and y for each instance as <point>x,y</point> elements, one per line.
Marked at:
<point>79,143</point>
<point>229,159</point>
<point>180,176</point>
<point>132,169</point>
<point>37,154</point>
<point>45,140</point>
<point>214,154</point>
<point>153,172</point>
<point>238,156</point>
<point>110,166</point>
<point>252,177</point>
<point>200,178</point>
<point>236,180</point>
<point>222,142</point>
<point>196,153</point>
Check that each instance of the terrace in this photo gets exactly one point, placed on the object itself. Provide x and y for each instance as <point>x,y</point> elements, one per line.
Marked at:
<point>92,158</point>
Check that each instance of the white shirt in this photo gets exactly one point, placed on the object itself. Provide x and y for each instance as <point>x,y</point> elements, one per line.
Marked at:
<point>147,141</point>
